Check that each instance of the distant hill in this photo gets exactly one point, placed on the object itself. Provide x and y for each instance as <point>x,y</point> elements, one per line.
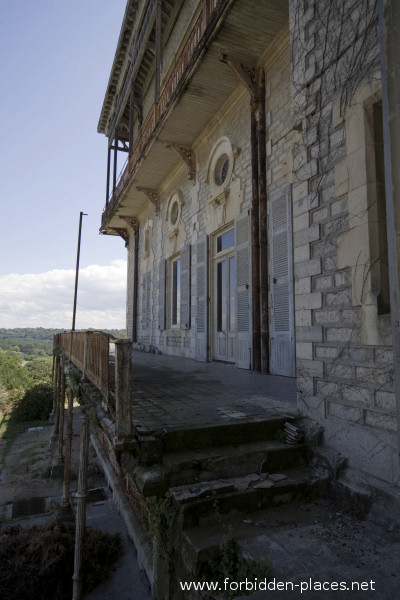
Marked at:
<point>37,341</point>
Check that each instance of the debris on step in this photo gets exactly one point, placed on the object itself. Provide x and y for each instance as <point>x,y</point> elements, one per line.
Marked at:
<point>293,435</point>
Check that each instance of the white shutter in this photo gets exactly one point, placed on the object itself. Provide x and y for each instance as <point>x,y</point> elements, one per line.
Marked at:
<point>201,345</point>
<point>282,340</point>
<point>243,282</point>
<point>161,294</point>
<point>185,288</point>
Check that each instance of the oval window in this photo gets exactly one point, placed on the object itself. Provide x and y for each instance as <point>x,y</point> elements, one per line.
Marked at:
<point>174,212</point>
<point>221,169</point>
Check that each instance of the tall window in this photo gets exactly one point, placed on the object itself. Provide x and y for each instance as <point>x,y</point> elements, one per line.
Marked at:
<point>175,291</point>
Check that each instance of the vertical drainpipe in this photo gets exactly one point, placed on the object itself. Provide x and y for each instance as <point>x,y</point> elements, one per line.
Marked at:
<point>135,283</point>
<point>262,184</point>
<point>389,33</point>
<point>255,247</point>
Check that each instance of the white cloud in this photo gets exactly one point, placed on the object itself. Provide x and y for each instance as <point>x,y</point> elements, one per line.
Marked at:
<point>46,299</point>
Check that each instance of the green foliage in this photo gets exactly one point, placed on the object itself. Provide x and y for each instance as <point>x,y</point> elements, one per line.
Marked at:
<point>162,517</point>
<point>40,369</point>
<point>12,373</point>
<point>37,562</point>
<point>36,404</point>
<point>73,379</point>
<point>228,563</point>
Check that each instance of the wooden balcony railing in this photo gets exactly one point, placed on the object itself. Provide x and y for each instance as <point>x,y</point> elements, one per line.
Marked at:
<point>183,66</point>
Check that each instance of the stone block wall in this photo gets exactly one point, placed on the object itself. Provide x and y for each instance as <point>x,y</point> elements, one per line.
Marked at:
<point>344,351</point>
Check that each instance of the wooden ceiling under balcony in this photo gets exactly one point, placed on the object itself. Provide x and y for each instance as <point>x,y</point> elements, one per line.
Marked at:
<point>245,34</point>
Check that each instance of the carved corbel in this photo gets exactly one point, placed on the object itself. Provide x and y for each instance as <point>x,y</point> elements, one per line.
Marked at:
<point>152,195</point>
<point>246,73</point>
<point>187,155</point>
<point>123,233</point>
<point>133,222</point>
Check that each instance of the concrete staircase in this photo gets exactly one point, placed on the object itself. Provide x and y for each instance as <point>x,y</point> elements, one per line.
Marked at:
<point>218,474</point>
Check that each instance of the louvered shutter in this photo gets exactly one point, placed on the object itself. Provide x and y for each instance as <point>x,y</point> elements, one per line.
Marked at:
<point>201,344</point>
<point>281,284</point>
<point>243,280</point>
<point>161,294</point>
<point>185,288</point>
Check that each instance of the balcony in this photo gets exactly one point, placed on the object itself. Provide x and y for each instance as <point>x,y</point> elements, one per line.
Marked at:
<point>197,83</point>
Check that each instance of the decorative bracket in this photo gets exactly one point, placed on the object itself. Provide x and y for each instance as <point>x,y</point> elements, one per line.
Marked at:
<point>152,196</point>
<point>244,71</point>
<point>187,155</point>
<point>220,199</point>
<point>123,233</point>
<point>133,222</point>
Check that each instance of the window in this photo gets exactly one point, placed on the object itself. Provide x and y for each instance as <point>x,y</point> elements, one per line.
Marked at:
<point>175,291</point>
<point>221,169</point>
<point>225,241</point>
<point>225,298</point>
<point>174,213</point>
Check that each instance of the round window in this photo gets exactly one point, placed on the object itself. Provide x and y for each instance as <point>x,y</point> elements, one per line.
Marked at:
<point>221,169</point>
<point>174,213</point>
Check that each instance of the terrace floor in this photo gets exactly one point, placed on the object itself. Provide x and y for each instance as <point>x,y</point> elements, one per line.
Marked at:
<point>172,392</point>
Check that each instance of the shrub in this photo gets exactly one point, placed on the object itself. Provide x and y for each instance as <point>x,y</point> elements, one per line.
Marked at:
<point>37,563</point>
<point>36,404</point>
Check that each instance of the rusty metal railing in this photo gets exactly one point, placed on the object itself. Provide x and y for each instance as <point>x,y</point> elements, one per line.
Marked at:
<point>183,65</point>
<point>89,351</point>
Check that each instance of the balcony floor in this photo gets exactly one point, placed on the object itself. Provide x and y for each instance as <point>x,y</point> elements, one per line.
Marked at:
<point>170,392</point>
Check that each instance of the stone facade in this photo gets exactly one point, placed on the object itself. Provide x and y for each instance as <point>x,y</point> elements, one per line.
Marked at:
<point>328,304</point>
<point>344,348</point>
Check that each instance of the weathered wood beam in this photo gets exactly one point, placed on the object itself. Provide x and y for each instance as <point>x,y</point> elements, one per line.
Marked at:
<point>245,72</point>
<point>152,195</point>
<point>187,155</point>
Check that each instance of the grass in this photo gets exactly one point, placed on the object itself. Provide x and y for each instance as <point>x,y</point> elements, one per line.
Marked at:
<point>10,428</point>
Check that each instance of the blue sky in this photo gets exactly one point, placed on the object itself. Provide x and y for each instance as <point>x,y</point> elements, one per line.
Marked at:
<point>56,60</point>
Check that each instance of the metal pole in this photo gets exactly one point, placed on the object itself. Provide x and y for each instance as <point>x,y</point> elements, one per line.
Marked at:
<point>68,444</point>
<point>77,268</point>
<point>81,507</point>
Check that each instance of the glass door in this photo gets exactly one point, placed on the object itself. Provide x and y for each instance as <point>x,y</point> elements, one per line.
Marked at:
<point>224,298</point>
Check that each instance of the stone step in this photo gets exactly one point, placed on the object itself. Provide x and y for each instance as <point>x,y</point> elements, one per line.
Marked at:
<point>224,434</point>
<point>231,461</point>
<point>254,533</point>
<point>200,502</point>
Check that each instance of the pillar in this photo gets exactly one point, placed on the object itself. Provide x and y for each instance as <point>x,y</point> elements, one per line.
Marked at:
<point>123,388</point>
